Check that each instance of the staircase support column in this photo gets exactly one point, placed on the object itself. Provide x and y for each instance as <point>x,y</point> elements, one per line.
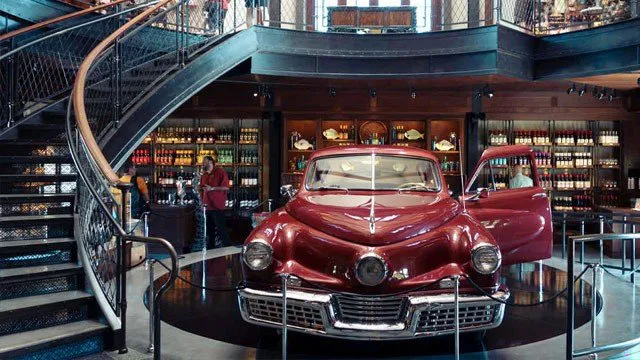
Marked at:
<point>122,270</point>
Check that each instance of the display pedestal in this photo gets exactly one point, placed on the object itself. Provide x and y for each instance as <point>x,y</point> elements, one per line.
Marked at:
<point>176,224</point>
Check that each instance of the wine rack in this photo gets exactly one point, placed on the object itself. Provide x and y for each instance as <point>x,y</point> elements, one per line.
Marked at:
<point>578,161</point>
<point>177,147</point>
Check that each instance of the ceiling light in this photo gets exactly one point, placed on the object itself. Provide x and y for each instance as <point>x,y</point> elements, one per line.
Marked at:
<point>594,92</point>
<point>372,93</point>
<point>602,94</point>
<point>413,93</point>
<point>572,89</point>
<point>612,95</point>
<point>489,93</point>
<point>332,92</point>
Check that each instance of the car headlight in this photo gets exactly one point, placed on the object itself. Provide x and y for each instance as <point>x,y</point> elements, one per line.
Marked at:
<point>486,258</point>
<point>371,270</point>
<point>258,255</point>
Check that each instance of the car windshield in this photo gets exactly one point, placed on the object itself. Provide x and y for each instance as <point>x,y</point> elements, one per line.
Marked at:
<point>373,172</point>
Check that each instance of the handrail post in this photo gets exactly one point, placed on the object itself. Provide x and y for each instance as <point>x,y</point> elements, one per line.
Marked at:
<point>124,188</point>
<point>11,77</point>
<point>150,296</point>
<point>564,235</point>
<point>456,315</point>
<point>116,78</point>
<point>594,299</point>
<point>570,301</point>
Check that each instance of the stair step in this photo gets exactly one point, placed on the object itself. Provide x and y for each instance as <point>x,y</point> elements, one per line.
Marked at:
<point>42,271</point>
<point>24,198</point>
<point>36,218</point>
<point>32,341</point>
<point>50,127</point>
<point>32,159</point>
<point>34,142</point>
<point>10,247</point>
<point>37,178</point>
<point>26,304</point>
<point>28,314</point>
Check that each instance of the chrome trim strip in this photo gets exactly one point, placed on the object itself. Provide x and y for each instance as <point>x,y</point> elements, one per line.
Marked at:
<point>407,328</point>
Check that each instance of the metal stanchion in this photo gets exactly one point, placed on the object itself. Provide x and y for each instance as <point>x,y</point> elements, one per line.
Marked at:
<point>284,278</point>
<point>633,256</point>
<point>204,242</point>
<point>582,243</point>
<point>601,242</point>
<point>150,302</point>
<point>270,205</point>
<point>624,246</point>
<point>145,224</point>
<point>570,302</point>
<point>594,298</point>
<point>564,235</point>
<point>456,300</point>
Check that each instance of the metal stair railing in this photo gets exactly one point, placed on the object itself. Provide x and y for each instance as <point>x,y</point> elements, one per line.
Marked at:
<point>38,63</point>
<point>114,76</point>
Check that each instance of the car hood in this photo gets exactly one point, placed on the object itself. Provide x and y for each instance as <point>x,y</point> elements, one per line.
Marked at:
<point>373,219</point>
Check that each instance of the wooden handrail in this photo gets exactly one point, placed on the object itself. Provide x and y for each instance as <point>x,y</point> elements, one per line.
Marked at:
<point>78,93</point>
<point>45,23</point>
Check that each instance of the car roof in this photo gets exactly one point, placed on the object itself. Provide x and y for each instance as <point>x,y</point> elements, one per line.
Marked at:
<point>368,149</point>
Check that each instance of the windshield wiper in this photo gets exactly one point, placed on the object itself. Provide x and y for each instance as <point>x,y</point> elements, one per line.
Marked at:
<point>417,186</point>
<point>332,187</point>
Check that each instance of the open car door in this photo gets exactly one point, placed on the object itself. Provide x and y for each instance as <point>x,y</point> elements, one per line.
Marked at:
<point>517,213</point>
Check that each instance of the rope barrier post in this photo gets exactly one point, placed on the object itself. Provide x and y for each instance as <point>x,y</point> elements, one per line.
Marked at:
<point>124,189</point>
<point>204,236</point>
<point>270,205</point>
<point>601,242</point>
<point>633,256</point>
<point>456,301</point>
<point>284,277</point>
<point>570,302</point>
<point>582,243</point>
<point>150,297</point>
<point>145,229</point>
<point>624,246</point>
<point>564,235</point>
<point>594,298</point>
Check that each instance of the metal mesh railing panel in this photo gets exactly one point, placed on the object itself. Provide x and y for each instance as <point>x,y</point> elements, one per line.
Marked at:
<point>97,234</point>
<point>43,258</point>
<point>38,287</point>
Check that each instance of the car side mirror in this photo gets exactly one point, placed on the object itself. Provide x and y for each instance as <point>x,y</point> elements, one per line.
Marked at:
<point>287,190</point>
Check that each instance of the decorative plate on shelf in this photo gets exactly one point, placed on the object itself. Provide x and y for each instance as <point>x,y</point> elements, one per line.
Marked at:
<point>372,127</point>
<point>330,134</point>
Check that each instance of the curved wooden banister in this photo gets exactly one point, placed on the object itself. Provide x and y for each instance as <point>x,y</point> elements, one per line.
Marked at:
<point>78,93</point>
<point>46,23</point>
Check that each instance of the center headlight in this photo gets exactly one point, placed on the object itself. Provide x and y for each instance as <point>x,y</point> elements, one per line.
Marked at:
<point>258,255</point>
<point>486,258</point>
<point>371,270</point>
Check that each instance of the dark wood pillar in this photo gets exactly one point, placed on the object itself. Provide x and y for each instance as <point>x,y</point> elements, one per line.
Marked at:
<point>275,11</point>
<point>473,13</point>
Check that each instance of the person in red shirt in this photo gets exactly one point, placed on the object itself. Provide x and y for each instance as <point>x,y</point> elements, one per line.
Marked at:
<point>214,184</point>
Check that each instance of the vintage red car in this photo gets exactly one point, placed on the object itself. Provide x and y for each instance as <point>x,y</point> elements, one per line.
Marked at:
<point>372,239</point>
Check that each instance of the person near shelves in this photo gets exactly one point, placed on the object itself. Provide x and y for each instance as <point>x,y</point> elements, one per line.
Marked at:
<point>139,191</point>
<point>519,180</point>
<point>214,184</point>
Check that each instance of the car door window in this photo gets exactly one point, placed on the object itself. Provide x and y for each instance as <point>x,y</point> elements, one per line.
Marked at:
<point>504,173</point>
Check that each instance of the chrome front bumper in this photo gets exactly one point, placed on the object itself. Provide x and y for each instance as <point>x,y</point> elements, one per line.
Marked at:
<point>403,317</point>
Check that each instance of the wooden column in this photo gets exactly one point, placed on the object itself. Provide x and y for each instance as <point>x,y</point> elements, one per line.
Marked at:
<point>436,15</point>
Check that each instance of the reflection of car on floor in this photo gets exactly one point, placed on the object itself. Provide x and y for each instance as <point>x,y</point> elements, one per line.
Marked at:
<point>371,231</point>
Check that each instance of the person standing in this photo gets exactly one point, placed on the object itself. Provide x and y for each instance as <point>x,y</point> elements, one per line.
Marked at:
<point>139,193</point>
<point>214,184</point>
<point>519,180</point>
<point>216,12</point>
<point>259,7</point>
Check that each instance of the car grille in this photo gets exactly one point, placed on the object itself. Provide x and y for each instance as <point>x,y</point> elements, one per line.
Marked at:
<point>370,309</point>
<point>297,314</point>
<point>443,317</point>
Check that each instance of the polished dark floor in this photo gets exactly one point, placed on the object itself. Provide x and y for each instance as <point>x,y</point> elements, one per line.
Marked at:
<point>215,315</point>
